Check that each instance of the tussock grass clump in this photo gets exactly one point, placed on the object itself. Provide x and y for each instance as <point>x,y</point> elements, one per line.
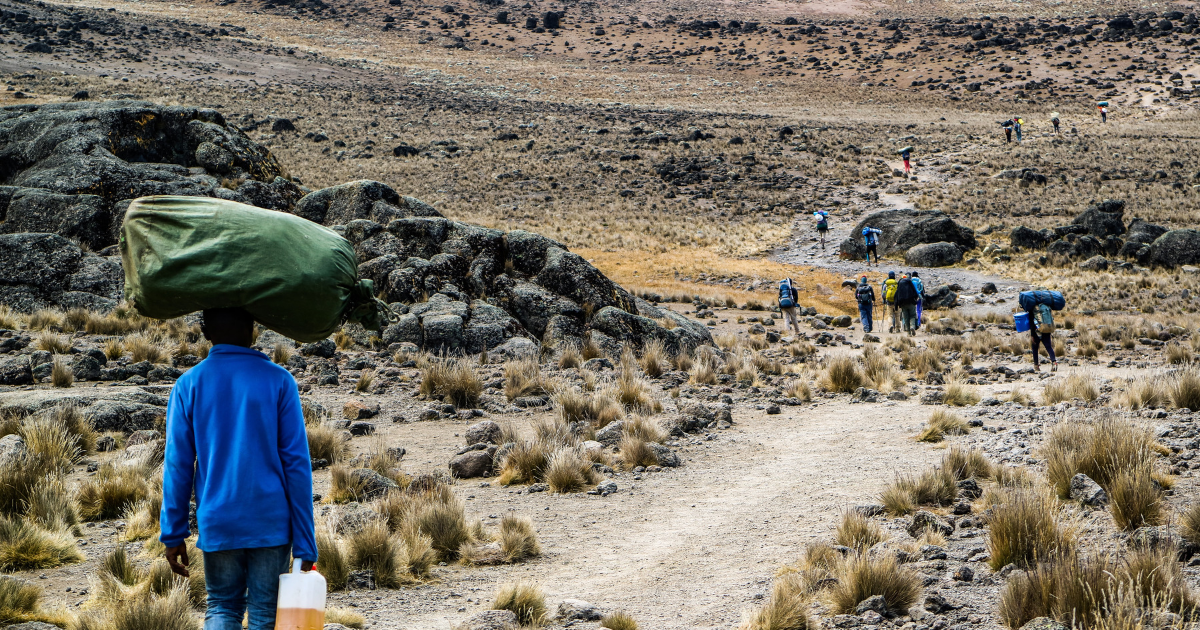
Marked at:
<point>1025,528</point>
<point>375,548</point>
<point>922,362</point>
<point>281,353</point>
<point>452,380</point>
<point>25,546</point>
<point>51,507</point>
<point>52,343</point>
<point>570,357</point>
<point>654,358</point>
<point>44,319</point>
<point>786,609</point>
<point>618,621</point>
<point>935,486</point>
<point>517,539</point>
<point>568,471</point>
<point>61,374</point>
<point>799,389</point>
<point>1178,354</point>
<point>644,428</point>
<point>327,443</point>
<point>703,373</point>
<point>524,378</point>
<point>960,394</point>
<point>365,380</point>
<point>1101,450</point>
<point>1075,386</point>
<point>525,462</point>
<point>857,532</point>
<point>598,408</point>
<point>1184,389</point>
<point>344,616</point>
<point>860,576</point>
<point>1189,524</point>
<point>942,423</point>
<point>634,394</point>
<point>111,491</point>
<point>143,611</point>
<point>114,348</point>
<point>333,563</point>
<point>636,452</point>
<point>118,565</point>
<point>1135,499</point>
<point>19,601</point>
<point>50,441</point>
<point>842,375</point>
<point>1144,392</point>
<point>9,319</point>
<point>523,599</point>
<point>143,348</point>
<point>965,464</point>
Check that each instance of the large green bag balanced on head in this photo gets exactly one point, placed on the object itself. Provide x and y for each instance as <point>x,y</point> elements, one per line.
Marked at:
<point>298,278</point>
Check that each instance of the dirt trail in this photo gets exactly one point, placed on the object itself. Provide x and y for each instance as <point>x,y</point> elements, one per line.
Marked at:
<point>694,547</point>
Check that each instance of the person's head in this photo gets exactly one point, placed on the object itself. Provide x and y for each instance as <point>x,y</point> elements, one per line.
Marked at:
<point>233,326</point>
<point>891,275</point>
<point>915,275</point>
<point>863,281</point>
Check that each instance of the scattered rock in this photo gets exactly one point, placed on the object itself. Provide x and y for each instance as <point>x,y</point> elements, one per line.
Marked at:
<point>1087,491</point>
<point>358,410</point>
<point>484,432</point>
<point>933,255</point>
<point>578,610</point>
<point>924,520</point>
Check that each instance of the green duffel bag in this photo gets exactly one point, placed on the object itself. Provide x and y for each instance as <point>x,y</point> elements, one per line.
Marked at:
<point>298,278</point>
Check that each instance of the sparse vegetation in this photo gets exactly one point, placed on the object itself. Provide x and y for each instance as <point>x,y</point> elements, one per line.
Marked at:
<point>858,532</point>
<point>842,375</point>
<point>452,380</point>
<point>1026,528</point>
<point>942,423</point>
<point>861,576</point>
<point>523,599</point>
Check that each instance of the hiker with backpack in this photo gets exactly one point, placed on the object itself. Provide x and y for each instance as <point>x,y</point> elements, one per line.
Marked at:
<point>1054,121</point>
<point>919,285</point>
<point>905,154</point>
<point>864,294</point>
<point>871,239</point>
<point>1038,307</point>
<point>788,300</point>
<point>888,290</point>
<point>822,225</point>
<point>1008,128</point>
<point>1017,124</point>
<point>1104,113</point>
<point>905,300</point>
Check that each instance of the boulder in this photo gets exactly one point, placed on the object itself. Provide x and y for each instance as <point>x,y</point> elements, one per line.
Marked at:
<point>484,432</point>
<point>477,463</point>
<point>1175,248</point>
<point>12,449</point>
<point>362,199</point>
<point>1087,491</point>
<point>373,485</point>
<point>1028,238</point>
<point>611,434</point>
<point>1141,231</point>
<point>933,255</point>
<point>16,370</point>
<point>1103,219</point>
<point>940,297</point>
<point>905,228</point>
<point>1095,263</point>
<point>578,610</point>
<point>924,520</point>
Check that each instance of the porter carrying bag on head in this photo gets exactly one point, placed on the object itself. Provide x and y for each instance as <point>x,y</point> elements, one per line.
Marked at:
<point>1029,300</point>
<point>296,277</point>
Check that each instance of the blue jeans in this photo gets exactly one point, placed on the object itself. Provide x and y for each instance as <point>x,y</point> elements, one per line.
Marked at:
<point>236,577</point>
<point>864,313</point>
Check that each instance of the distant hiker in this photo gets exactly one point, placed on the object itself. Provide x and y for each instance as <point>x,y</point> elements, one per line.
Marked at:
<point>1017,125</point>
<point>1103,113</point>
<point>1041,325</point>
<point>1008,128</point>
<point>905,154</point>
<point>822,225</point>
<point>888,290</point>
<point>236,442</point>
<point>871,239</point>
<point>920,287</point>
<point>788,299</point>
<point>865,295</point>
<point>906,303</point>
<point>1054,121</point>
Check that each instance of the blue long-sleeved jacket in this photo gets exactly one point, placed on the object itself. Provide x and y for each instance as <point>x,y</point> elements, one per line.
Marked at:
<point>236,431</point>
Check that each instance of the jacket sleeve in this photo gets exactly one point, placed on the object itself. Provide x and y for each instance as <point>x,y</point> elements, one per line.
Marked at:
<point>297,473</point>
<point>179,469</point>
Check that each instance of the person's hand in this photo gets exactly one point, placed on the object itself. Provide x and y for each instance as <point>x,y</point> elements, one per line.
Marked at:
<point>306,565</point>
<point>178,559</point>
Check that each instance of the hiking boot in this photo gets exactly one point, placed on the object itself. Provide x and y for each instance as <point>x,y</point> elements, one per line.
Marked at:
<point>1054,366</point>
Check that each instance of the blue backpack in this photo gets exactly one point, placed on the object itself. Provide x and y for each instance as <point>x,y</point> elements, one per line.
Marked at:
<point>785,294</point>
<point>1030,300</point>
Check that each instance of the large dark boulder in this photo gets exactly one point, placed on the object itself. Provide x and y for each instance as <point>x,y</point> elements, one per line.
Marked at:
<point>940,296</point>
<point>933,255</point>
<point>1141,231</point>
<point>362,199</point>
<point>1029,238</point>
<point>1175,248</point>
<point>70,166</point>
<point>905,228</point>
<point>41,270</point>
<point>1103,219</point>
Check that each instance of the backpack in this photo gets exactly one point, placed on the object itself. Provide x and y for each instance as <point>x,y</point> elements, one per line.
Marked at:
<point>868,236</point>
<point>889,290</point>
<point>822,224</point>
<point>1045,319</point>
<point>1029,300</point>
<point>785,295</point>
<point>864,293</point>
<point>905,292</point>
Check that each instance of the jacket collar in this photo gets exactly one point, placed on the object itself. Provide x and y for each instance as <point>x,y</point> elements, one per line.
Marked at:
<point>230,349</point>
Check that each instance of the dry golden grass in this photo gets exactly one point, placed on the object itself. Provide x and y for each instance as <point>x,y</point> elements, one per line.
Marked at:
<point>1144,392</point>
<point>935,487</point>
<point>942,423</point>
<point>25,546</point>
<point>921,362</point>
<point>786,609</point>
<point>858,532</point>
<point>1026,528</point>
<point>598,408</point>
<point>523,599</point>
<point>44,319</point>
<point>452,380</point>
<point>524,378</point>
<point>860,576</point>
<point>842,375</point>
<point>960,394</point>
<point>345,617</point>
<point>636,452</point>
<point>327,443</point>
<point>967,464</point>
<point>143,611</point>
<point>654,359</point>
<point>525,462</point>
<point>111,491</point>
<point>1189,523</point>
<point>61,374</point>
<point>333,563</point>
<point>570,357</point>
<point>1101,450</point>
<point>20,601</point>
<point>568,471</point>
<point>518,541</point>
<point>1135,499</point>
<point>52,507</point>
<point>363,384</point>
<point>643,428</point>
<point>618,621</point>
<point>1184,389</point>
<point>9,319</point>
<point>375,548</point>
<point>800,389</point>
<point>1076,386</point>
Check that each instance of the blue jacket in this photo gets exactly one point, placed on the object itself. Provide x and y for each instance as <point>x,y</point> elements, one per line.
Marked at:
<point>236,433</point>
<point>871,236</point>
<point>919,286</point>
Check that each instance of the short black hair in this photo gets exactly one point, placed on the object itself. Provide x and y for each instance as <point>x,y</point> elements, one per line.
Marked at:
<point>227,318</point>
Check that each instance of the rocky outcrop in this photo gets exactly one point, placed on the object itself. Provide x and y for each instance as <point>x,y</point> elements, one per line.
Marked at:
<point>906,228</point>
<point>1103,219</point>
<point>39,270</point>
<point>1028,238</point>
<point>933,255</point>
<point>108,409</point>
<point>1175,248</point>
<point>71,167</point>
<point>1138,239</point>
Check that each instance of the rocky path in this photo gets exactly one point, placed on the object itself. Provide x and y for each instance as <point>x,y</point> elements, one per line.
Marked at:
<point>690,548</point>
